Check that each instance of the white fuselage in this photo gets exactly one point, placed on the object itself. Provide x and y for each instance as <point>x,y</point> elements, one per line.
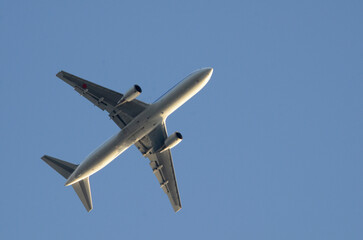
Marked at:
<point>141,125</point>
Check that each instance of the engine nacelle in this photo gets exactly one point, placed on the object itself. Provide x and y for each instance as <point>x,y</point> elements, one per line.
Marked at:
<point>130,95</point>
<point>172,141</point>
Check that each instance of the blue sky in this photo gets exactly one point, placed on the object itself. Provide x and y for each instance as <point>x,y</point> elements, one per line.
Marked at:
<point>272,145</point>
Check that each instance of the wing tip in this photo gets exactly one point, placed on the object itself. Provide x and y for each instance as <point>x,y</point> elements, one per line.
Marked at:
<point>89,207</point>
<point>177,208</point>
<point>60,74</point>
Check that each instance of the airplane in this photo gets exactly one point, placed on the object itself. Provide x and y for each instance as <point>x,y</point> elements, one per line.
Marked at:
<point>141,124</point>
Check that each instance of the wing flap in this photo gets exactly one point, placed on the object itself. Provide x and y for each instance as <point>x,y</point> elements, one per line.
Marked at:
<point>99,102</point>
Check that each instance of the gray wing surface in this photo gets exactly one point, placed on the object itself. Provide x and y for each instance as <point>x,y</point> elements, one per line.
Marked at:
<point>105,99</point>
<point>161,163</point>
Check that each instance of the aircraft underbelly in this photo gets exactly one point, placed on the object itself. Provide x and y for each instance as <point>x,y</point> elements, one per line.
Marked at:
<point>116,145</point>
<point>103,155</point>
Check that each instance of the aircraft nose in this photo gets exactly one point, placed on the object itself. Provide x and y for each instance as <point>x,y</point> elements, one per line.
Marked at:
<point>209,72</point>
<point>206,73</point>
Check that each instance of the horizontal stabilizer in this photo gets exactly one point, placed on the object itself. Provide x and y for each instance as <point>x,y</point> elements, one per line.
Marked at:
<point>83,191</point>
<point>65,169</point>
<point>62,167</point>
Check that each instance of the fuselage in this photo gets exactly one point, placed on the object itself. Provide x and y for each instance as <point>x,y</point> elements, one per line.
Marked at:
<point>141,125</point>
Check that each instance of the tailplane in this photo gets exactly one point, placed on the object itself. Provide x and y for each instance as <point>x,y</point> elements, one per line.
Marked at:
<point>62,167</point>
<point>65,169</point>
<point>83,191</point>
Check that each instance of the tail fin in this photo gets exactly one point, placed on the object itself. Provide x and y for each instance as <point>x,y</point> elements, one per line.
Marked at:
<point>65,169</point>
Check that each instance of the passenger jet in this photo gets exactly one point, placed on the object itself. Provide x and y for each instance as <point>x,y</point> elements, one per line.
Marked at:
<point>141,124</point>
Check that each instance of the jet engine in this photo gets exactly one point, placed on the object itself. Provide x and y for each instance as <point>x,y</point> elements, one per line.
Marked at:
<point>130,95</point>
<point>172,141</point>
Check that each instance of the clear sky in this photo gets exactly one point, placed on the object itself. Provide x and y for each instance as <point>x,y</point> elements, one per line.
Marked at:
<point>272,145</point>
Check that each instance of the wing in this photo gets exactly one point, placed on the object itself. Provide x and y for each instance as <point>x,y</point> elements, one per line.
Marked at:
<point>161,163</point>
<point>105,99</point>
